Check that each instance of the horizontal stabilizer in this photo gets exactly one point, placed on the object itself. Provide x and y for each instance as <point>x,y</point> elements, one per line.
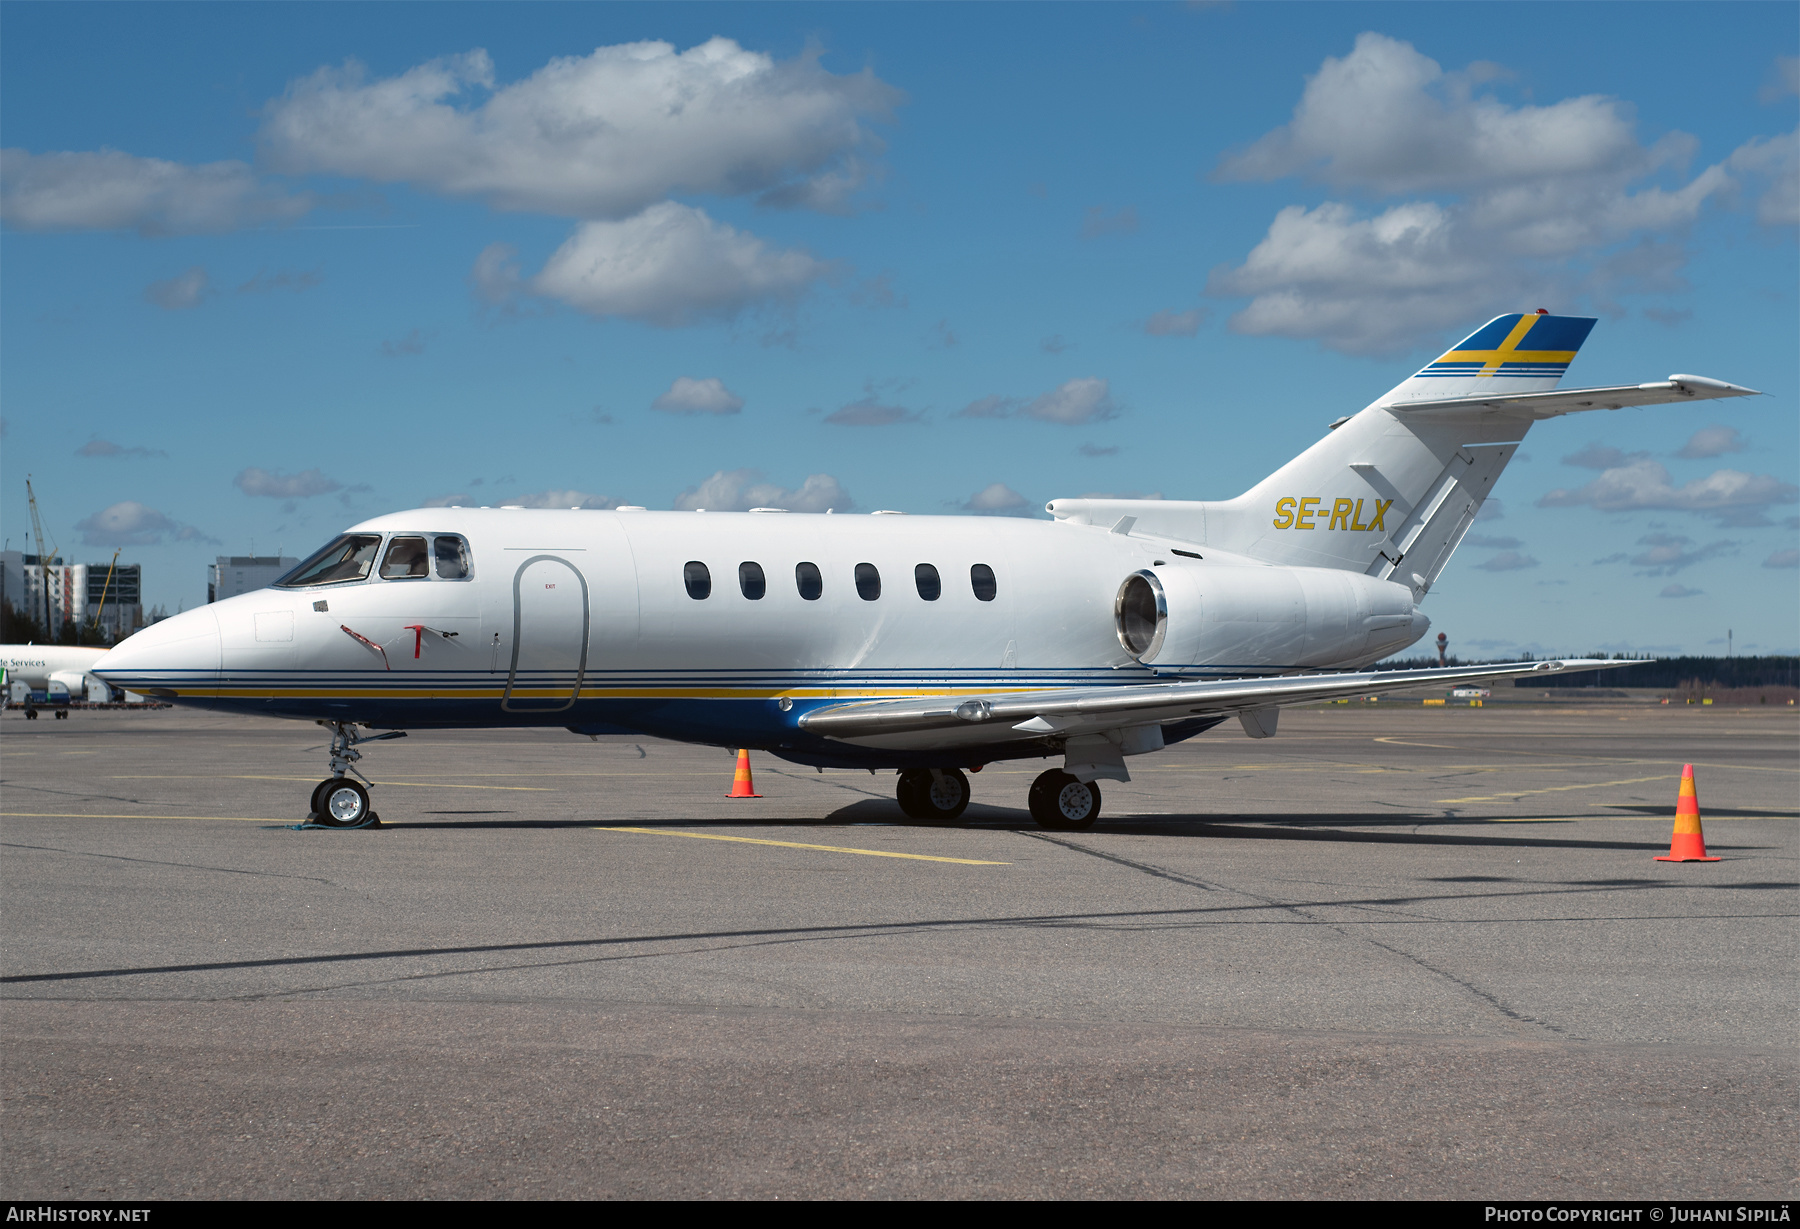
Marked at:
<point>1063,711</point>
<point>1575,400</point>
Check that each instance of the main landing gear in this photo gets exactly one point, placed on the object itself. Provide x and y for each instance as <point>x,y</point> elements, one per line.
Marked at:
<point>338,801</point>
<point>1057,800</point>
<point>1063,803</point>
<point>935,795</point>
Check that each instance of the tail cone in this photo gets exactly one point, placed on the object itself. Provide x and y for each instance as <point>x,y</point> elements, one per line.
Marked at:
<point>741,785</point>
<point>1688,844</point>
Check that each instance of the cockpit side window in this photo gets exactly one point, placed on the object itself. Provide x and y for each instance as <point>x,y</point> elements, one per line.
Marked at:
<point>405,560</point>
<point>452,558</point>
<point>343,559</point>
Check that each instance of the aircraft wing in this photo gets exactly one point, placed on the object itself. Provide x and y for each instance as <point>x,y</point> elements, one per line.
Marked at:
<point>1060,711</point>
<point>1574,400</point>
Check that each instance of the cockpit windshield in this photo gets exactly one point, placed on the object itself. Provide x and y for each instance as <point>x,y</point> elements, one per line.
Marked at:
<point>347,558</point>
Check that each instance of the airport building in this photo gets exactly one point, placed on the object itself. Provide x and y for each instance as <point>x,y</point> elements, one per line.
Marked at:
<point>80,593</point>
<point>235,574</point>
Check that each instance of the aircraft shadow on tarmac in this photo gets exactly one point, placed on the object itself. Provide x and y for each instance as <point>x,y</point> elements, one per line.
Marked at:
<point>1344,827</point>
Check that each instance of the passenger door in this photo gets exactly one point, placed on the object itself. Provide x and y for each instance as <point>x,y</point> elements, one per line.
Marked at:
<point>551,621</point>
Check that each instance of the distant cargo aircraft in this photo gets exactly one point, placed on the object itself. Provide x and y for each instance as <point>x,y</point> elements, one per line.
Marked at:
<point>60,672</point>
<point>924,644</point>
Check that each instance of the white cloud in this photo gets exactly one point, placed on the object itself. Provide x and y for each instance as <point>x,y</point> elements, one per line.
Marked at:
<point>1084,399</point>
<point>413,343</point>
<point>285,279</point>
<point>598,136</point>
<point>130,523</point>
<point>564,499</point>
<point>98,447</point>
<point>869,412</point>
<point>1169,323</point>
<point>1098,450</point>
<point>1390,119</point>
<point>1508,561</point>
<point>1601,456</point>
<point>670,266</point>
<point>1539,196</point>
<point>459,500</point>
<point>181,292</point>
<point>1081,400</point>
<point>1776,162</point>
<point>110,190</point>
<point>1731,496</point>
<point>989,407</point>
<point>1096,222</point>
<point>1789,558</point>
<point>1669,553</point>
<point>1680,591</point>
<point>303,485</point>
<point>1713,441</point>
<point>690,396</point>
<point>997,499</point>
<point>739,490</point>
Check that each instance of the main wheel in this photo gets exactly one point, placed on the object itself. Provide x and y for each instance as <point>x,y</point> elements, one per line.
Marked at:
<point>1059,802</point>
<point>342,803</point>
<point>936,797</point>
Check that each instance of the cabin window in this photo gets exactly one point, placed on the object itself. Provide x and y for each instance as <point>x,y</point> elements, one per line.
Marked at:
<point>347,558</point>
<point>698,580</point>
<point>981,579</point>
<point>808,581</point>
<point>926,577</point>
<point>752,581</point>
<point>405,560</point>
<point>452,558</point>
<point>868,582</point>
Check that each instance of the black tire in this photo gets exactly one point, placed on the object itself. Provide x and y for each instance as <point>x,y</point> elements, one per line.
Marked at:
<point>344,805</point>
<point>317,807</point>
<point>1063,804</point>
<point>910,792</point>
<point>946,796</point>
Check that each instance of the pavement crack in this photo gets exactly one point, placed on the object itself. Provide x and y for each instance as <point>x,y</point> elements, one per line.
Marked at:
<point>193,866</point>
<point>1145,867</point>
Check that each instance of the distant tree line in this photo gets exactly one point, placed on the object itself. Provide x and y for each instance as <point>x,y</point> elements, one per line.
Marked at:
<point>17,626</point>
<point>1666,672</point>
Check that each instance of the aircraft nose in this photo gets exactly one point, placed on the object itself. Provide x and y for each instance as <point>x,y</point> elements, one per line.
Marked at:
<point>169,659</point>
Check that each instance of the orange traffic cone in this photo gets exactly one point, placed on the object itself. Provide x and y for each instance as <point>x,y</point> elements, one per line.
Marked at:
<point>1687,845</point>
<point>743,787</point>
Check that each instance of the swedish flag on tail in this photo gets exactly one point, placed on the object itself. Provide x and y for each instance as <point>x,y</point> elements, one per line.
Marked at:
<point>1516,353</point>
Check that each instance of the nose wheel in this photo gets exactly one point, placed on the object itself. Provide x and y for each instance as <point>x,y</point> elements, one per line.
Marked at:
<point>338,801</point>
<point>1060,802</point>
<point>935,795</point>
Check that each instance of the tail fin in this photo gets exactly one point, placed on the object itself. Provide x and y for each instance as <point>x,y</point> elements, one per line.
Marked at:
<point>1390,491</point>
<point>1508,354</point>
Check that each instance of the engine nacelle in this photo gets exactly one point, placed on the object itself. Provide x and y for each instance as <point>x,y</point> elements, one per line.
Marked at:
<point>1262,617</point>
<point>71,684</point>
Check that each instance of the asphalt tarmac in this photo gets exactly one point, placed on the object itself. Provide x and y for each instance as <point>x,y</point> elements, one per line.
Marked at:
<point>1392,952</point>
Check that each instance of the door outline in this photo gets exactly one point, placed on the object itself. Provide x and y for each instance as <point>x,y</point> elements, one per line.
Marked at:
<point>512,674</point>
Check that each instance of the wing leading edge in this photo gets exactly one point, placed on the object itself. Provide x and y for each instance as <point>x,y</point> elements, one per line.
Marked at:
<point>1064,711</point>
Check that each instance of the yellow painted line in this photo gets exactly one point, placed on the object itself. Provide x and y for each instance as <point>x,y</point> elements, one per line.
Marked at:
<point>1558,789</point>
<point>750,840</point>
<point>248,819</point>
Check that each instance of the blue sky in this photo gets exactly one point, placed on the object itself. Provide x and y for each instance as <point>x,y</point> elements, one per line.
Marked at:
<point>270,269</point>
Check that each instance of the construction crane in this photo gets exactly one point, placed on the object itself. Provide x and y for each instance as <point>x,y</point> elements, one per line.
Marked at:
<point>104,590</point>
<point>37,530</point>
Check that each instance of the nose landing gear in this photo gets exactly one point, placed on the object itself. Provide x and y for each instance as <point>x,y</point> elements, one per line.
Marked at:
<point>337,801</point>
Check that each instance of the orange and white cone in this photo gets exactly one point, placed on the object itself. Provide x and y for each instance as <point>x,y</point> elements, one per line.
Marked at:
<point>1688,844</point>
<point>741,785</point>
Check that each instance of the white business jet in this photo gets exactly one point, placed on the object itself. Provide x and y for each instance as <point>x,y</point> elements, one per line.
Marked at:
<point>925,644</point>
